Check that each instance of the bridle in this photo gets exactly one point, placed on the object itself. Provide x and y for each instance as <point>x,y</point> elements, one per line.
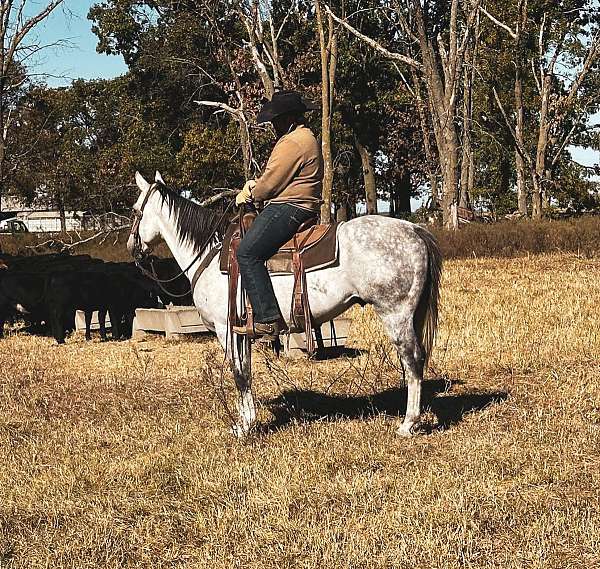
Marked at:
<point>137,253</point>
<point>139,256</point>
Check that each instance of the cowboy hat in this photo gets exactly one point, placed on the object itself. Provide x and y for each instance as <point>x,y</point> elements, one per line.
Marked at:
<point>283,102</point>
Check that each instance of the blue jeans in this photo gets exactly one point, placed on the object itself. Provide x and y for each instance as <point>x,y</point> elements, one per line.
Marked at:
<point>273,227</point>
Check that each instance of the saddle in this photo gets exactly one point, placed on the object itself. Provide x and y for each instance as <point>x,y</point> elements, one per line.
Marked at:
<point>313,247</point>
<point>317,245</point>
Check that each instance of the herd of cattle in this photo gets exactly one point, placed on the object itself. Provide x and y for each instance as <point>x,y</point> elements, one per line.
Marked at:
<point>46,290</point>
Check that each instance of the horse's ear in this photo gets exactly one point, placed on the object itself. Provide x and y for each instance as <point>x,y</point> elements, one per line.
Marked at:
<point>158,178</point>
<point>141,182</point>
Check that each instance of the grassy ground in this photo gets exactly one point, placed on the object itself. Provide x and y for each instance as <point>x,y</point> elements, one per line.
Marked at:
<point>117,454</point>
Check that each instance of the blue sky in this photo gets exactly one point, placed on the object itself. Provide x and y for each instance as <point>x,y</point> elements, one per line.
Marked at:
<point>62,65</point>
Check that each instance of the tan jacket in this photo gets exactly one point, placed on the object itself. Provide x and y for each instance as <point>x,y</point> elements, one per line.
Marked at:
<point>294,172</point>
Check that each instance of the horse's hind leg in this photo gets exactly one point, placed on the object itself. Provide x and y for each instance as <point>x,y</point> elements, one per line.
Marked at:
<point>402,334</point>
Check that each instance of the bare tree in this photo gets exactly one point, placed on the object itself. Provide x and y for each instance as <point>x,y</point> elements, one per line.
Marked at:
<point>262,43</point>
<point>329,56</point>
<point>15,48</point>
<point>256,15</point>
<point>440,61</point>
<point>563,103</point>
<point>368,175</point>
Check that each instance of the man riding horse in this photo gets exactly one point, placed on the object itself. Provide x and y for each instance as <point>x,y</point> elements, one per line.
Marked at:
<point>291,186</point>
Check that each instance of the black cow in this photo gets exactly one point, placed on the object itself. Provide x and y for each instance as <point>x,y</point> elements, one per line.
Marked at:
<point>51,288</point>
<point>23,293</point>
<point>26,285</point>
<point>113,289</point>
<point>129,290</point>
<point>177,291</point>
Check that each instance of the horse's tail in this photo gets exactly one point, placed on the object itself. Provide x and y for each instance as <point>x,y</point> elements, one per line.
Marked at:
<point>426,314</point>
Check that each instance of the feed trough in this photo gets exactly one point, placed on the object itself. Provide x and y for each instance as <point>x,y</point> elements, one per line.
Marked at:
<point>173,321</point>
<point>334,333</point>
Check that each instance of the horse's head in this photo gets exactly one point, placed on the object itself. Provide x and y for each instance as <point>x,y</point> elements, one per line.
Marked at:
<point>145,229</point>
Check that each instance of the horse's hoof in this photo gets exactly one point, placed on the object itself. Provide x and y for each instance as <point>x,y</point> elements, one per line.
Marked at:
<point>408,430</point>
<point>239,432</point>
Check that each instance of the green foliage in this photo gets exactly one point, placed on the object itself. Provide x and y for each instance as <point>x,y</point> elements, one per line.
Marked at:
<point>80,146</point>
<point>207,159</point>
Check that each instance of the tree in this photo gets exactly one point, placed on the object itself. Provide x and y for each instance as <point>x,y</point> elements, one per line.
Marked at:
<point>15,30</point>
<point>442,36</point>
<point>329,56</point>
<point>564,68</point>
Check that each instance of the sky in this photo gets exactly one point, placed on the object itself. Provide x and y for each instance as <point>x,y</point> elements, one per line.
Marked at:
<point>62,65</point>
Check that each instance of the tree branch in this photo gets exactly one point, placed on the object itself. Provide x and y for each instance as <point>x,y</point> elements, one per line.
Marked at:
<point>215,199</point>
<point>499,23</point>
<point>222,106</point>
<point>375,45</point>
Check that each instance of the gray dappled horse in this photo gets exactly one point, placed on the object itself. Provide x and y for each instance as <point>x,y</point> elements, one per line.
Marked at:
<point>389,263</point>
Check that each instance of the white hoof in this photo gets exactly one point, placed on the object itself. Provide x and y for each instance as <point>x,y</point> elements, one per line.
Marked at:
<point>240,432</point>
<point>408,429</point>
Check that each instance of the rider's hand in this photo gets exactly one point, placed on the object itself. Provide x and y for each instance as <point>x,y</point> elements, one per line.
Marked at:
<point>245,196</point>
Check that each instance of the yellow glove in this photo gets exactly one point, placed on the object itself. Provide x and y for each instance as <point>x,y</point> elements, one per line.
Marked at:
<point>245,196</point>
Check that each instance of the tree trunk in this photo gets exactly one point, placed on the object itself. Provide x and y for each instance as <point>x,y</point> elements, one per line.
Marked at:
<point>342,212</point>
<point>442,106</point>
<point>465,164</point>
<point>520,110</point>
<point>432,164</point>
<point>536,197</point>
<point>328,68</point>
<point>540,163</point>
<point>400,202</point>
<point>63,218</point>
<point>468,162</point>
<point>451,174</point>
<point>368,176</point>
<point>519,161</point>
<point>521,184</point>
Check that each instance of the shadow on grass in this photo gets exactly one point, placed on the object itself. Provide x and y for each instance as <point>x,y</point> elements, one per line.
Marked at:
<point>333,352</point>
<point>306,406</point>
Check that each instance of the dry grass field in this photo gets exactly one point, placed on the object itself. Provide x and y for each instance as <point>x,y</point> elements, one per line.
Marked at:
<point>118,454</point>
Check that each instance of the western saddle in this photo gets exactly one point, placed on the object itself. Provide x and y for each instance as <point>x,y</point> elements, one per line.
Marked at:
<point>313,247</point>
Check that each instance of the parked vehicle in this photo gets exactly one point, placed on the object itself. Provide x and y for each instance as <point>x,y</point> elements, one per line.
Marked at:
<point>13,225</point>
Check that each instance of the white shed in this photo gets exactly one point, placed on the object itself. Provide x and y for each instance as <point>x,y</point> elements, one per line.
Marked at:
<point>49,221</point>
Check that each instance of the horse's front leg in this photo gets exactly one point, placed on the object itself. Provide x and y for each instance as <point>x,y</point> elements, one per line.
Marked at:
<point>239,356</point>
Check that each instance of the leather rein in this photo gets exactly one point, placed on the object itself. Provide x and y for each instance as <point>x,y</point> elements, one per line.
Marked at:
<point>139,256</point>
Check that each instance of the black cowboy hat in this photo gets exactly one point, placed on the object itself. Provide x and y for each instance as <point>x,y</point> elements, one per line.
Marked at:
<point>284,102</point>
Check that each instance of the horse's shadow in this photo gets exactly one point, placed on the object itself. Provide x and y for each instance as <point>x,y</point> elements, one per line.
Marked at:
<point>307,406</point>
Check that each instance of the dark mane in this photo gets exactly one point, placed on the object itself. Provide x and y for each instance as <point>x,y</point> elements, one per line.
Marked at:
<point>196,225</point>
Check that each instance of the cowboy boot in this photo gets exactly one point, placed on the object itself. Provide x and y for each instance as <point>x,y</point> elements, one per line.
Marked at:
<point>262,331</point>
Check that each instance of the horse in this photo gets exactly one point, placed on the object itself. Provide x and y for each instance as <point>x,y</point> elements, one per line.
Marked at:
<point>392,264</point>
